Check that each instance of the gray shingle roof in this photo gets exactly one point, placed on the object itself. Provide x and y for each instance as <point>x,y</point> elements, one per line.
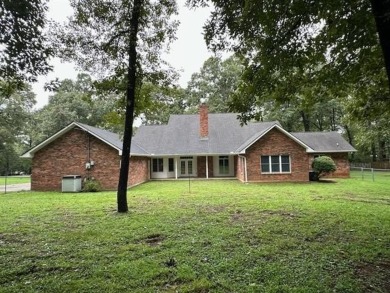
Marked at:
<point>181,135</point>
<point>107,136</point>
<point>112,139</point>
<point>226,136</point>
<point>324,142</point>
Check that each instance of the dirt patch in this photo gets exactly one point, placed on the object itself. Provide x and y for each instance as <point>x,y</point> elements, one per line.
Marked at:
<point>154,239</point>
<point>384,201</point>
<point>239,215</point>
<point>375,276</point>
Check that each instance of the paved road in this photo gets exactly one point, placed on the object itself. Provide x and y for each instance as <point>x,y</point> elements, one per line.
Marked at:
<point>15,187</point>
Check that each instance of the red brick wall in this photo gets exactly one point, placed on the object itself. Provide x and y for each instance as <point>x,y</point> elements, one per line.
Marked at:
<point>201,165</point>
<point>342,164</point>
<point>68,154</point>
<point>277,143</point>
<point>139,170</point>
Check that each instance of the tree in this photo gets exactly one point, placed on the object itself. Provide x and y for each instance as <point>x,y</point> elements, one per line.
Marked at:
<point>121,40</point>
<point>24,51</point>
<point>164,101</point>
<point>216,82</point>
<point>16,102</point>
<point>323,165</point>
<point>288,45</point>
<point>72,101</point>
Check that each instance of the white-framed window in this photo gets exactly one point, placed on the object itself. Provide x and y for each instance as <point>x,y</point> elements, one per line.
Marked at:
<point>223,165</point>
<point>158,165</point>
<point>275,164</point>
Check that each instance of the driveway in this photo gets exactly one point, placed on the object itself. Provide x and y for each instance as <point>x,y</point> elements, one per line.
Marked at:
<point>15,187</point>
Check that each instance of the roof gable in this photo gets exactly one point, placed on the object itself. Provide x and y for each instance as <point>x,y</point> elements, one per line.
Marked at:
<point>112,139</point>
<point>243,147</point>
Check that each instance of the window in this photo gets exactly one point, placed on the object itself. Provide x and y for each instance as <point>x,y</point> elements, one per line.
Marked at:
<point>171,167</point>
<point>158,165</point>
<point>275,164</point>
<point>223,165</point>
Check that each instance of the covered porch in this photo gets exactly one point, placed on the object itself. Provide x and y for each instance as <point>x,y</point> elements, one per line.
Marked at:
<point>196,166</point>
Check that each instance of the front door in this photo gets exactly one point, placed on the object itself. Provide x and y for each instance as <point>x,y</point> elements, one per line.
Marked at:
<point>186,166</point>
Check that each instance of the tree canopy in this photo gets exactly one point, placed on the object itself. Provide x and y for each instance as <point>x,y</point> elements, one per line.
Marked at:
<point>291,46</point>
<point>24,50</point>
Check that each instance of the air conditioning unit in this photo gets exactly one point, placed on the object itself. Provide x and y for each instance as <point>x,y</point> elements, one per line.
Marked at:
<point>71,183</point>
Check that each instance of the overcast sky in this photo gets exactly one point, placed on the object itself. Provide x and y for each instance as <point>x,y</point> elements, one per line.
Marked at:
<point>187,53</point>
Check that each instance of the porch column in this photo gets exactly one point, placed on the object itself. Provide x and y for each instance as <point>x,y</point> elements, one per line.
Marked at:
<point>207,167</point>
<point>175,167</point>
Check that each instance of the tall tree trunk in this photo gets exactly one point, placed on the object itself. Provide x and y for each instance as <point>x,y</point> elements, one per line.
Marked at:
<point>130,103</point>
<point>381,11</point>
<point>350,139</point>
<point>305,121</point>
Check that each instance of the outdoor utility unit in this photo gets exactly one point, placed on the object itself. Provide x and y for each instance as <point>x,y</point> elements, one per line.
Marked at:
<point>71,183</point>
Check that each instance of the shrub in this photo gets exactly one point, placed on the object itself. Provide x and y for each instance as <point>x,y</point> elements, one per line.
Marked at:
<point>91,185</point>
<point>323,166</point>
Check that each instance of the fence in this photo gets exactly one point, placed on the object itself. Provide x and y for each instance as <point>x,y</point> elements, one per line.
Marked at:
<point>371,174</point>
<point>375,165</point>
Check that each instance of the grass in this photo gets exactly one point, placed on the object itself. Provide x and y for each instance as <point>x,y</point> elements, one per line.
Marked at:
<point>223,236</point>
<point>15,180</point>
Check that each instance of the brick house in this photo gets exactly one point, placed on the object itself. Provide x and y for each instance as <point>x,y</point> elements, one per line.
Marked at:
<point>201,145</point>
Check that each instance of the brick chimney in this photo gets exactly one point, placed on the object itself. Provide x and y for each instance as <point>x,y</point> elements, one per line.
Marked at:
<point>204,121</point>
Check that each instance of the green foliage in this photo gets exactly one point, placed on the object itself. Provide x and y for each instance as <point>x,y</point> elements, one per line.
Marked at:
<point>91,185</point>
<point>224,236</point>
<point>216,82</point>
<point>163,101</point>
<point>16,103</point>
<point>293,49</point>
<point>323,165</point>
<point>78,101</point>
<point>24,51</point>
<point>96,37</point>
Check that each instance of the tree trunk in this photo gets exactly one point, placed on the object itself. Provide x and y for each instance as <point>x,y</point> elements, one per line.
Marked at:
<point>305,121</point>
<point>350,139</point>
<point>381,11</point>
<point>130,101</point>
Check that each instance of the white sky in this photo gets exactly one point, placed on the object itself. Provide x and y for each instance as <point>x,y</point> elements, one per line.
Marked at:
<point>187,53</point>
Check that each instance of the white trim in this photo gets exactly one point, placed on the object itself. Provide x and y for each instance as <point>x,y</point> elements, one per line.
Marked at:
<point>280,164</point>
<point>329,152</point>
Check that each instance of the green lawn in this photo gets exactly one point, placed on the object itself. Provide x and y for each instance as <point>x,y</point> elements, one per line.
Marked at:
<point>15,179</point>
<point>223,236</point>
